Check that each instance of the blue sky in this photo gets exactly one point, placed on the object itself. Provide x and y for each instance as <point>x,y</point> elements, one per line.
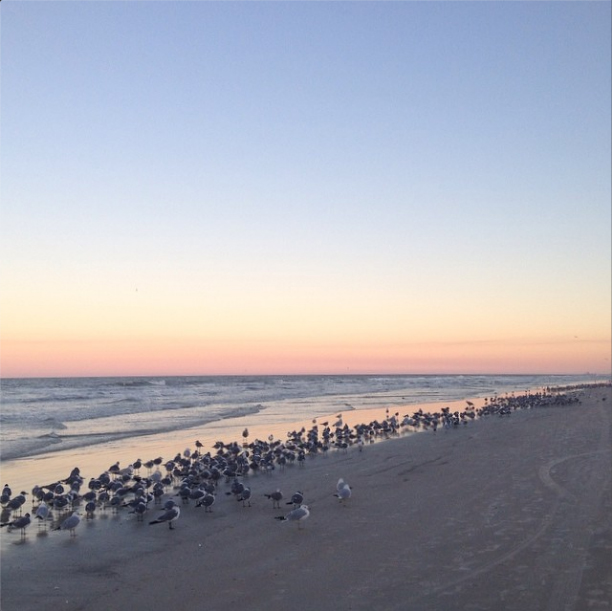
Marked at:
<point>444,166</point>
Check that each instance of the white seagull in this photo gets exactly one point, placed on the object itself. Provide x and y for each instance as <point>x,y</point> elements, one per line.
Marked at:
<point>70,523</point>
<point>42,512</point>
<point>297,515</point>
<point>343,490</point>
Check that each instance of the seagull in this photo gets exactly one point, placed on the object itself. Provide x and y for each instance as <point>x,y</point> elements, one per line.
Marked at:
<point>296,499</point>
<point>70,523</point>
<point>90,509</point>
<point>245,496</point>
<point>197,494</point>
<point>170,516</point>
<point>343,490</point>
<point>297,515</point>
<point>42,512</point>
<point>207,502</point>
<point>6,494</point>
<point>276,498</point>
<point>16,502</point>
<point>139,509</point>
<point>236,489</point>
<point>20,523</point>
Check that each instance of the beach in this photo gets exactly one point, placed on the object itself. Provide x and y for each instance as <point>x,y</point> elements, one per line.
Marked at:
<point>507,512</point>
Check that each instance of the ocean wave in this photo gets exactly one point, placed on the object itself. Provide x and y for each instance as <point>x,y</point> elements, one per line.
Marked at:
<point>54,424</point>
<point>13,400</point>
<point>48,442</point>
<point>137,383</point>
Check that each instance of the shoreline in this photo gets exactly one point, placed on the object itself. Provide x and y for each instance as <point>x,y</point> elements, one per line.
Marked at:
<point>24,473</point>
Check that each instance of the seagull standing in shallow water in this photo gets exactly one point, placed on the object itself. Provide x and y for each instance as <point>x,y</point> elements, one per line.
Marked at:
<point>42,512</point>
<point>5,497</point>
<point>70,523</point>
<point>21,523</point>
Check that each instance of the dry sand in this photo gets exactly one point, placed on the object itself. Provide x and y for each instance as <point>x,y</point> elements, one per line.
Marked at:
<point>507,513</point>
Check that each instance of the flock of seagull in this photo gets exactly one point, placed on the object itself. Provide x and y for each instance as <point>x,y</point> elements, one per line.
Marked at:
<point>196,476</point>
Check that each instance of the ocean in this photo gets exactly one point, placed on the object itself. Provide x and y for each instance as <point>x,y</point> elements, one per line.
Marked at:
<point>54,415</point>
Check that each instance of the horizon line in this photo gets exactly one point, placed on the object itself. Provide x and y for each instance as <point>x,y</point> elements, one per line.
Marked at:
<point>298,375</point>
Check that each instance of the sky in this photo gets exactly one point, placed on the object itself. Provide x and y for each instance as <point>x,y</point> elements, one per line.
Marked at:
<point>194,188</point>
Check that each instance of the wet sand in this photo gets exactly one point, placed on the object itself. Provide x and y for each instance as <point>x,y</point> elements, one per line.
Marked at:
<point>505,513</point>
